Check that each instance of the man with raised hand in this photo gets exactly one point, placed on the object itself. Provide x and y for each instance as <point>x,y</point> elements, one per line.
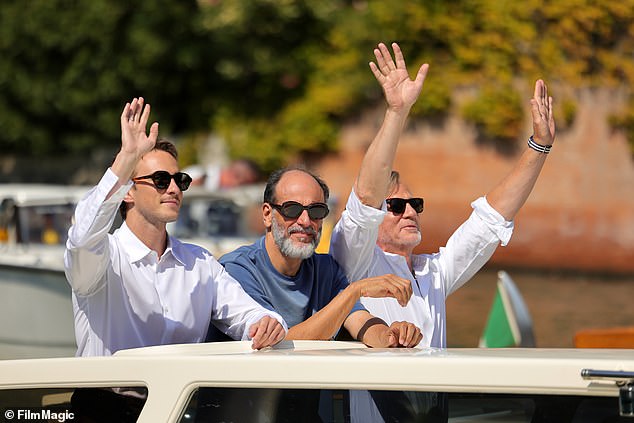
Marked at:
<point>139,286</point>
<point>283,273</point>
<point>380,227</point>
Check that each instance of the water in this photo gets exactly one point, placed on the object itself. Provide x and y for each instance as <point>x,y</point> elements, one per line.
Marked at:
<point>560,305</point>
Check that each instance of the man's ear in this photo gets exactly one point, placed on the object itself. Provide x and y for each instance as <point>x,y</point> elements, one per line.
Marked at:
<point>267,215</point>
<point>129,198</point>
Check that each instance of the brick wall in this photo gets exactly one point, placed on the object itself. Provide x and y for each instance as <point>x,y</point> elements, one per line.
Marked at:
<point>580,215</point>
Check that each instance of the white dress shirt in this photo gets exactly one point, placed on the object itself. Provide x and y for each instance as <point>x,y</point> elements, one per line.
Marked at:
<point>353,244</point>
<point>125,296</point>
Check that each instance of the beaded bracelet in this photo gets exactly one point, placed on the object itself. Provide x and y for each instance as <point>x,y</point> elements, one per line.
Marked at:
<point>545,149</point>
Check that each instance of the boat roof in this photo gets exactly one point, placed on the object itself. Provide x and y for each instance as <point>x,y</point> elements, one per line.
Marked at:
<point>42,194</point>
<point>351,365</point>
<point>172,373</point>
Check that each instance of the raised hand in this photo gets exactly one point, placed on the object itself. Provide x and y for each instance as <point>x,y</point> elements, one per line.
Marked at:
<point>266,332</point>
<point>399,90</point>
<point>134,139</point>
<point>385,286</point>
<point>542,112</point>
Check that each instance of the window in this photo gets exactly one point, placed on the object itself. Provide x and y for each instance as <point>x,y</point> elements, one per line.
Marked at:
<point>338,406</point>
<point>116,404</point>
<point>44,224</point>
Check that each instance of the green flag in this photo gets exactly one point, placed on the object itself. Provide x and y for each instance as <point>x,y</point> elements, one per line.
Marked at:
<point>509,323</point>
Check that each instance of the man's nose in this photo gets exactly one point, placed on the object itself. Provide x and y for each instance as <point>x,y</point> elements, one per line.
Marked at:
<point>304,219</point>
<point>173,186</point>
<point>409,210</point>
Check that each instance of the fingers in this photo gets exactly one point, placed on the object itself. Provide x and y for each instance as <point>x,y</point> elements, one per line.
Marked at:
<point>386,286</point>
<point>403,290</point>
<point>398,56</point>
<point>548,110</point>
<point>154,130</point>
<point>542,114</point>
<point>384,58</point>
<point>143,117</point>
<point>135,109</point>
<point>125,113</point>
<point>421,75</point>
<point>377,73</point>
<point>266,332</point>
<point>384,64</point>
<point>539,86</point>
<point>407,334</point>
<point>541,97</point>
<point>135,112</point>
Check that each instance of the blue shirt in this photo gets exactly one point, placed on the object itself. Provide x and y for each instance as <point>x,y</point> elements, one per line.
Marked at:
<point>296,298</point>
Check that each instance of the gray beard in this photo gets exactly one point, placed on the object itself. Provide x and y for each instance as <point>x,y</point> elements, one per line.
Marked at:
<point>286,245</point>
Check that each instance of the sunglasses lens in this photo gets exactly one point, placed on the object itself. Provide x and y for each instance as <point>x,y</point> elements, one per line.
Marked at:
<point>161,179</point>
<point>417,204</point>
<point>396,205</point>
<point>291,210</point>
<point>182,180</point>
<point>318,211</point>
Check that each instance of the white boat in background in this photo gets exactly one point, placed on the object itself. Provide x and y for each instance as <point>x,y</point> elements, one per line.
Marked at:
<point>36,317</point>
<point>34,221</point>
<point>220,221</point>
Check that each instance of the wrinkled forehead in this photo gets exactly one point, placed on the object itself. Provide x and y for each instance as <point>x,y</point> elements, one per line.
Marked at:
<point>400,191</point>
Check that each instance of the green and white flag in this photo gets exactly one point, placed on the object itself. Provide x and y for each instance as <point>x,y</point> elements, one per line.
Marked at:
<point>509,323</point>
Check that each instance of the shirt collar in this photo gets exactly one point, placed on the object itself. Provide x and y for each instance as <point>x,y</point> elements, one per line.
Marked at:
<point>175,248</point>
<point>137,250</point>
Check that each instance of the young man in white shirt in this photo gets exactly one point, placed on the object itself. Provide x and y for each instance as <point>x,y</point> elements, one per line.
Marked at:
<point>139,286</point>
<point>380,227</point>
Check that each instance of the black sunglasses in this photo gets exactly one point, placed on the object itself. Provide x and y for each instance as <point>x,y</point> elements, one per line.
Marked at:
<point>293,209</point>
<point>397,205</point>
<point>162,179</point>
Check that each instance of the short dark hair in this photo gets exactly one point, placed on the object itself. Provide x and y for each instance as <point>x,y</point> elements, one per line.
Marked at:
<point>274,179</point>
<point>162,144</point>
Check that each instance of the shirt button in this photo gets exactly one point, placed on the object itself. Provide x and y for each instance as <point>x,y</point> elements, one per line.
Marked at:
<point>165,309</point>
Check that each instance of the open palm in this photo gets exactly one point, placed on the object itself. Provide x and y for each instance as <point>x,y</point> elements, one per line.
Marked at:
<point>134,138</point>
<point>400,91</point>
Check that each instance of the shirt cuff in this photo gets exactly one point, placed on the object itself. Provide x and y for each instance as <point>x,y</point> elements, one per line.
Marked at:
<point>502,228</point>
<point>365,215</point>
<point>108,181</point>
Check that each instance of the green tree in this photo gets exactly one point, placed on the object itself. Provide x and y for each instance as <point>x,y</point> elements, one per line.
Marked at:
<point>278,78</point>
<point>68,67</point>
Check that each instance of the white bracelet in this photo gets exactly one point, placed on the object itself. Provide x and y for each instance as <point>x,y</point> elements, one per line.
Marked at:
<point>545,149</point>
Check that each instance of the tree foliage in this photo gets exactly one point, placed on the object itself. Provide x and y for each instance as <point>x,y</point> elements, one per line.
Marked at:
<point>276,79</point>
<point>68,67</point>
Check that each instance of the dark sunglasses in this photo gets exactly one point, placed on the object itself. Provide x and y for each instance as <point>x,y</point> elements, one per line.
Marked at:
<point>162,179</point>
<point>397,205</point>
<point>293,209</point>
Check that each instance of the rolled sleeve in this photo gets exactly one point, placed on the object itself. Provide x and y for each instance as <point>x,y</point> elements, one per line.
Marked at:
<point>362,215</point>
<point>354,237</point>
<point>502,228</point>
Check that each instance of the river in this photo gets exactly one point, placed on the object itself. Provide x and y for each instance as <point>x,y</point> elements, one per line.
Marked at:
<point>560,304</point>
